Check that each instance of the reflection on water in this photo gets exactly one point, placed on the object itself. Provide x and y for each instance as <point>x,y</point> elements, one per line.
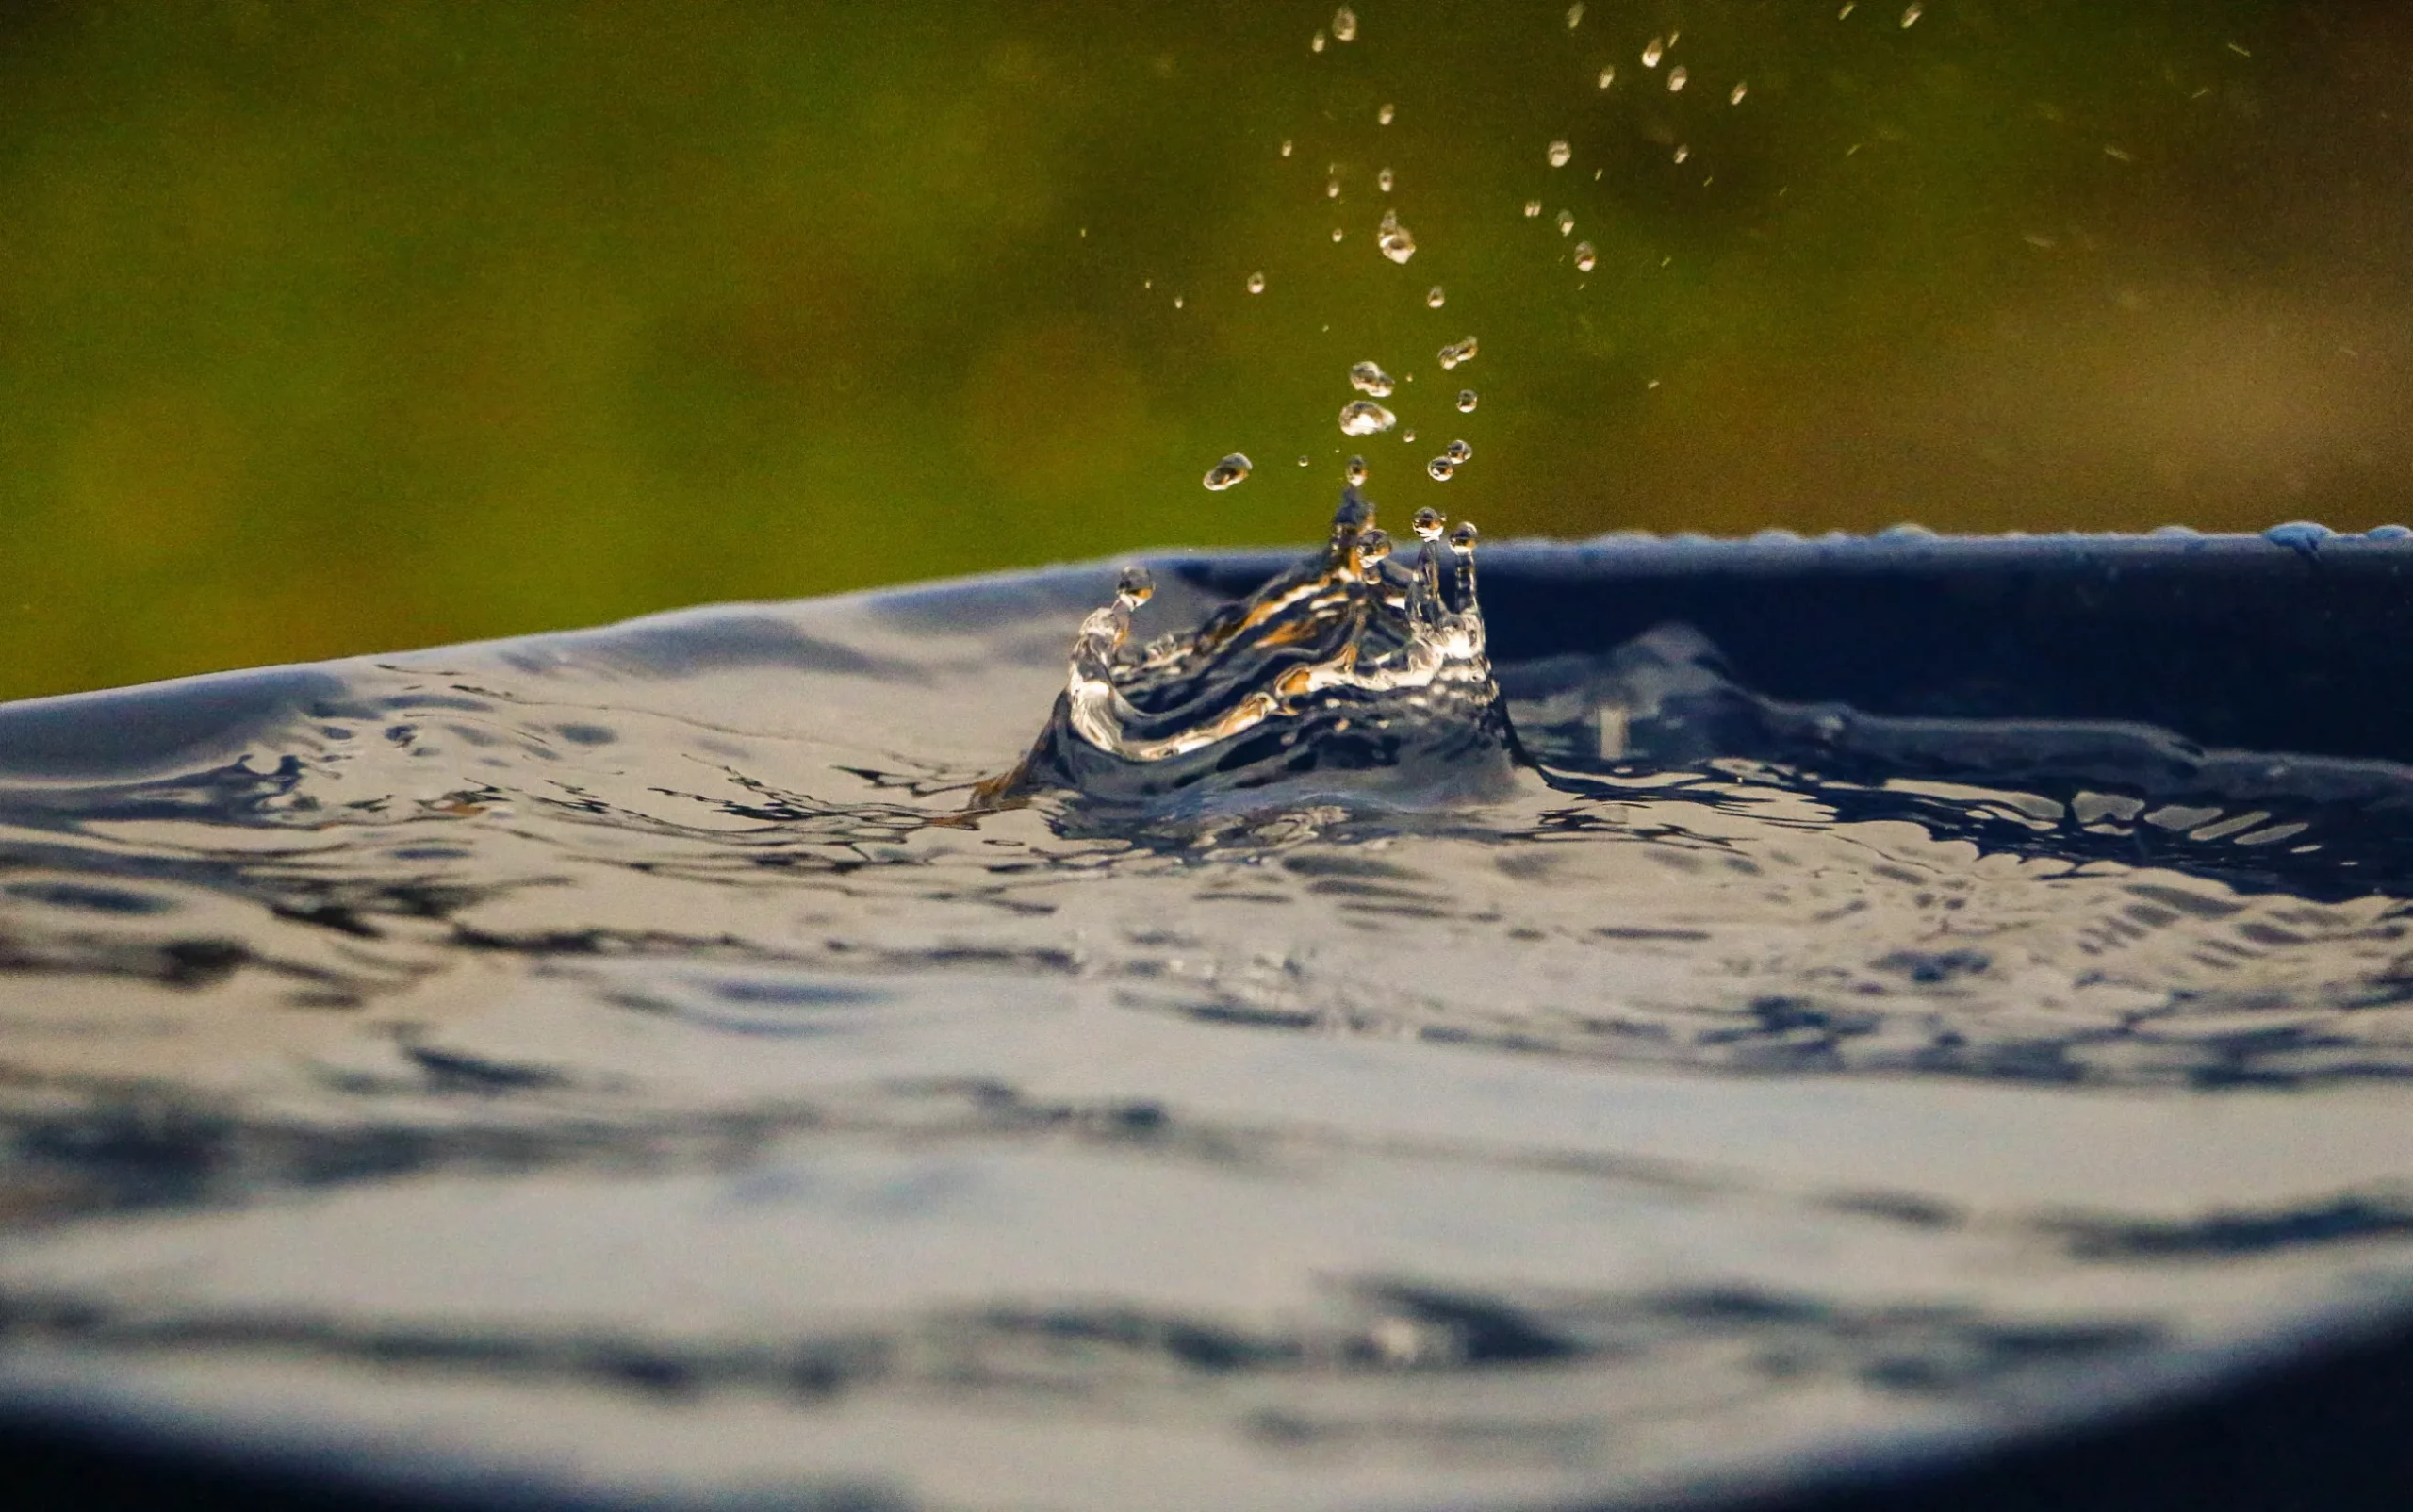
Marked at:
<point>626,1051</point>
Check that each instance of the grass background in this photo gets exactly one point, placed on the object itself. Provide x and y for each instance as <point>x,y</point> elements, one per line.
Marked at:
<point>333,328</point>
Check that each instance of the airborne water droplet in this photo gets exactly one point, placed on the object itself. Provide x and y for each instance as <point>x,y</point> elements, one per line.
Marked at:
<point>1257,283</point>
<point>1331,189</point>
<point>1317,45</point>
<point>1533,208</point>
<point>1566,222</point>
<point>1575,15</point>
<point>1384,116</point>
<point>1683,153</point>
<point>1285,146</point>
<point>1736,97</point>
<point>1363,417</point>
<point>1467,400</point>
<point>1356,473</point>
<point>1409,437</point>
<point>1559,153</point>
<point>1911,17</point>
<point>1458,352</point>
<point>1337,233</point>
<point>1344,24</point>
<point>1433,296</point>
<point>1677,78</point>
<point>1584,257</point>
<point>1652,54</point>
<point>1383,180</point>
<point>1457,451</point>
<point>1303,461</point>
<point>1226,473</point>
<point>1394,238</point>
<point>1442,469</point>
<point>1369,378</point>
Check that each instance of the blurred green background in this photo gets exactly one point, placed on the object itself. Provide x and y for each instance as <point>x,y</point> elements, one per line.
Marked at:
<point>333,328</point>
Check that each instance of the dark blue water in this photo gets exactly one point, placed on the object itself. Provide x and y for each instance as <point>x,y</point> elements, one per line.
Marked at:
<point>1880,996</point>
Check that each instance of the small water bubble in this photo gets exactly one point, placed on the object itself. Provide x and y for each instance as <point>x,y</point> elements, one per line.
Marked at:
<point>1369,378</point>
<point>1285,146</point>
<point>1911,17</point>
<point>1433,297</point>
<point>1575,15</point>
<point>1383,180</point>
<point>1533,208</point>
<point>1608,76</point>
<point>1356,473</point>
<point>1315,45</point>
<point>1331,189</point>
<point>1735,97</point>
<point>1344,24</point>
<point>1467,400</point>
<point>1584,258</point>
<point>1226,473</point>
<point>1656,51</point>
<point>1394,238</point>
<point>1560,153</point>
<point>1442,469</point>
<point>1566,218</point>
<point>1386,115</point>
<point>1458,451</point>
<point>1458,352</point>
<point>1363,417</point>
<point>1257,283</point>
<point>1677,78</point>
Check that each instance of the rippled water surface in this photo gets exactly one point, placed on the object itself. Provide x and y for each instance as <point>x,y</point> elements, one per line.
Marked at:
<point>621,1059</point>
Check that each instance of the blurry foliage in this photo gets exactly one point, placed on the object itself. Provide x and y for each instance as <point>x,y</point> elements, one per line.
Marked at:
<point>333,328</point>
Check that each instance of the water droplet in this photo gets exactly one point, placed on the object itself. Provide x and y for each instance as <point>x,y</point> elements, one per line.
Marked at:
<point>1257,283</point>
<point>1344,24</point>
<point>1467,400</point>
<point>1433,297</point>
<point>1656,51</point>
<point>1331,189</point>
<point>1356,473</point>
<point>1458,352</point>
<point>1336,232</point>
<point>1575,15</point>
<point>1285,146</point>
<point>1845,14</point>
<point>1135,586</point>
<point>1566,222</point>
<point>1383,180</point>
<point>1369,378</point>
<point>1363,417</point>
<point>1226,472</point>
<point>1683,153</point>
<point>1736,97</point>
<point>1911,17</point>
<point>1177,302</point>
<point>1533,208</point>
<point>1442,469</point>
<point>1608,76</point>
<point>1560,153</point>
<point>1384,116</point>
<point>1315,45</point>
<point>1457,451</point>
<point>1303,461</point>
<point>1584,258</point>
<point>1677,78</point>
<point>1428,522</point>
<point>1394,238</point>
<point>1409,437</point>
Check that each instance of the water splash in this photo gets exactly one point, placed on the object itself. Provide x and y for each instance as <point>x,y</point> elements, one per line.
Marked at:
<point>1351,662</point>
<point>1369,378</point>
<point>1363,417</point>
